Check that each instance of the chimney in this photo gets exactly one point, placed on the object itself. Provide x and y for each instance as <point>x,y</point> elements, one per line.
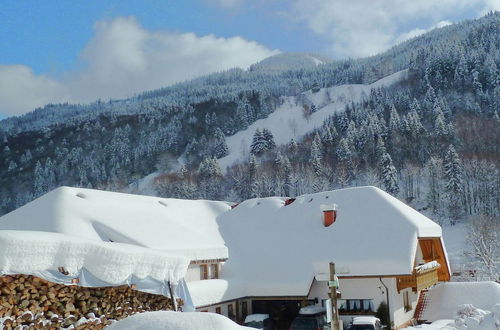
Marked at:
<point>329,214</point>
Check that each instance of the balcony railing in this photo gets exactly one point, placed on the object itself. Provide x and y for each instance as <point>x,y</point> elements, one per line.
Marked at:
<point>423,277</point>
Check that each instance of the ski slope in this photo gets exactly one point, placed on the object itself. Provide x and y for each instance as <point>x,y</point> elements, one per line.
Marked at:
<point>288,120</point>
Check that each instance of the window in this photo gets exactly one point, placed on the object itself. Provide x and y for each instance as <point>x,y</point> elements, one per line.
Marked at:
<point>353,306</point>
<point>204,272</point>
<point>218,310</point>
<point>230,311</point>
<point>214,271</point>
<point>406,301</point>
<point>244,309</point>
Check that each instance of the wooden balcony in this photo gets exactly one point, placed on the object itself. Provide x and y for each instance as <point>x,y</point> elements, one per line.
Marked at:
<point>423,277</point>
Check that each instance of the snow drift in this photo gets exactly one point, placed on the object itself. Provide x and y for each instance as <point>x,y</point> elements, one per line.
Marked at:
<point>176,321</point>
<point>34,253</point>
<point>445,298</point>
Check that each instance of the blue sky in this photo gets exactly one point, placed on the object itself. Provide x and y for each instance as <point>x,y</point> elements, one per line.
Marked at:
<point>49,35</point>
<point>79,51</point>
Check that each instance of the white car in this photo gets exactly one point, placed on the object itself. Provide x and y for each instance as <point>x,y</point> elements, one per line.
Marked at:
<point>259,321</point>
<point>365,323</point>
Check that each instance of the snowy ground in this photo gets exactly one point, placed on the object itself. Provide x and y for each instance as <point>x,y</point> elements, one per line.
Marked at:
<point>455,240</point>
<point>176,321</point>
<point>467,317</point>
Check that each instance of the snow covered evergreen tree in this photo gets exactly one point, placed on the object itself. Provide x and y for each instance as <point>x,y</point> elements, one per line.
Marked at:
<point>268,139</point>
<point>316,157</point>
<point>220,148</point>
<point>389,175</point>
<point>454,183</point>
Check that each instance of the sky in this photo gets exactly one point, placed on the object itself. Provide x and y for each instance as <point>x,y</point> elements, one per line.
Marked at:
<point>80,51</point>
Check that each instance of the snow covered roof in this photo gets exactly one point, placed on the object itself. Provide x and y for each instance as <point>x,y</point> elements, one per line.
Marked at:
<point>35,252</point>
<point>209,292</point>
<point>186,227</point>
<point>277,250</point>
<point>444,299</point>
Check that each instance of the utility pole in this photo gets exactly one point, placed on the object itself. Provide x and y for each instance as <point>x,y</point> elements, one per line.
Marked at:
<point>333,284</point>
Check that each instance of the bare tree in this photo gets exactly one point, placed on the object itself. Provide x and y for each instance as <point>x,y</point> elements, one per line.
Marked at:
<point>484,239</point>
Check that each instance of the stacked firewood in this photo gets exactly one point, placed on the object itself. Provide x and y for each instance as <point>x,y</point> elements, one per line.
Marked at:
<point>38,304</point>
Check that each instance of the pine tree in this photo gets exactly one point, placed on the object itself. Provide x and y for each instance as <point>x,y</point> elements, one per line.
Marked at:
<point>39,186</point>
<point>12,166</point>
<point>220,147</point>
<point>394,121</point>
<point>316,157</point>
<point>292,146</point>
<point>389,175</point>
<point>210,177</point>
<point>251,189</point>
<point>287,176</point>
<point>344,151</point>
<point>268,139</point>
<point>453,173</point>
<point>380,151</point>
<point>258,145</point>
<point>434,172</point>
<point>440,128</point>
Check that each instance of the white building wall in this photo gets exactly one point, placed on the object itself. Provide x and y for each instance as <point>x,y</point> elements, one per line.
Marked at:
<point>369,288</point>
<point>399,315</point>
<point>193,273</point>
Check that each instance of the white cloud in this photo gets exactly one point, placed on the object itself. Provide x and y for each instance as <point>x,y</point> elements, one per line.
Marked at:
<point>418,31</point>
<point>123,59</point>
<point>366,27</point>
<point>21,90</point>
<point>226,4</point>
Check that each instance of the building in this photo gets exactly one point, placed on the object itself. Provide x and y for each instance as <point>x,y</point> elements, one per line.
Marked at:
<point>179,230</point>
<point>279,255</point>
<point>266,255</point>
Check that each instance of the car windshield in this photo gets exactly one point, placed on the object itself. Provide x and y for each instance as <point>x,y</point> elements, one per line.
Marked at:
<point>304,323</point>
<point>362,327</point>
<point>255,324</point>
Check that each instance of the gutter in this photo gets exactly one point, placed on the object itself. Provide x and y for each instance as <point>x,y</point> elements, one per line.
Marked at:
<point>388,305</point>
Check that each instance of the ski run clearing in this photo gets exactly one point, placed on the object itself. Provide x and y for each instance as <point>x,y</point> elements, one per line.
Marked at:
<point>288,121</point>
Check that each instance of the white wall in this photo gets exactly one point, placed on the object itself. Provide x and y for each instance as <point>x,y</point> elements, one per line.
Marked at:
<point>193,273</point>
<point>368,288</point>
<point>397,305</point>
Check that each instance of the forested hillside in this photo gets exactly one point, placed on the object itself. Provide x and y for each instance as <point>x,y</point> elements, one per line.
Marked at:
<point>432,140</point>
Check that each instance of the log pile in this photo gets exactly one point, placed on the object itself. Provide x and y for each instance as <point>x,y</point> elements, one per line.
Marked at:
<point>33,303</point>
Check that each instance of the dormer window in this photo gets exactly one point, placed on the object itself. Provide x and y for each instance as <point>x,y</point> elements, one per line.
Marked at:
<point>209,271</point>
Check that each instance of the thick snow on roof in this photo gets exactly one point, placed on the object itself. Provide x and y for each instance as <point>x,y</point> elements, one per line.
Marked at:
<point>208,292</point>
<point>34,252</point>
<point>176,321</point>
<point>277,250</point>
<point>187,227</point>
<point>445,298</point>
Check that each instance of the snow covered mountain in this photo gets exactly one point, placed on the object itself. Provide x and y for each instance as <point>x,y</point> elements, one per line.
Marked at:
<point>419,120</point>
<point>288,121</point>
<point>289,61</point>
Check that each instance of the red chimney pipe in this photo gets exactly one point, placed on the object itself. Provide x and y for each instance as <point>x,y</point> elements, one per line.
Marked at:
<point>329,214</point>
